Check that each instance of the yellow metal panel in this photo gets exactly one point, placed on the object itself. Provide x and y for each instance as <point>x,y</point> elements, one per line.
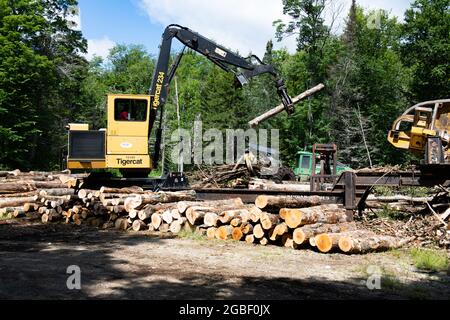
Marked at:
<point>128,161</point>
<point>127,128</point>
<point>86,165</point>
<point>78,126</point>
<point>127,145</point>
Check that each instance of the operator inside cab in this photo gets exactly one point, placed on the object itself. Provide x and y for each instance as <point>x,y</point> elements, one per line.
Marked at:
<point>124,114</point>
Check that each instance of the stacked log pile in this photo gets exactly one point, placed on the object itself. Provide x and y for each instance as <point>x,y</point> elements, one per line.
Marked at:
<point>289,221</point>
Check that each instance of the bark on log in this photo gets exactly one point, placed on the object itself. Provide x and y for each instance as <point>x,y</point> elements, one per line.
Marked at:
<point>130,190</point>
<point>303,234</point>
<point>329,213</point>
<point>276,202</point>
<point>358,243</point>
<point>15,202</point>
<point>159,197</point>
<point>281,108</point>
<point>232,203</point>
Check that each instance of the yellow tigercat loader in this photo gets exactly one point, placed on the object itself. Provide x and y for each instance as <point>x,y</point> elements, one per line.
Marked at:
<point>424,130</point>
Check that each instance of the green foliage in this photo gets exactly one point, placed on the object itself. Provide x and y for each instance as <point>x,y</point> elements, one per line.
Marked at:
<point>39,73</point>
<point>371,75</point>
<point>425,48</point>
<point>432,260</point>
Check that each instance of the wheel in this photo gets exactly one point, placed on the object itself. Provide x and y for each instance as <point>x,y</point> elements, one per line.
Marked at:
<point>284,174</point>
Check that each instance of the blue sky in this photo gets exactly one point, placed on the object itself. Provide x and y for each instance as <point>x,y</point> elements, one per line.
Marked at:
<point>240,25</point>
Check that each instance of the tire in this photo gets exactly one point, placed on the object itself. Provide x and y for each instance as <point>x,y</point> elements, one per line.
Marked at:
<point>284,174</point>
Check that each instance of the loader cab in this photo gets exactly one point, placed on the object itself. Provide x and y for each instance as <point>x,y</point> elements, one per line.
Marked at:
<point>122,145</point>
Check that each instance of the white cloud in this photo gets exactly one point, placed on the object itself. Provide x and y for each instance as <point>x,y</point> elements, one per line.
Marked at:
<point>99,47</point>
<point>244,25</point>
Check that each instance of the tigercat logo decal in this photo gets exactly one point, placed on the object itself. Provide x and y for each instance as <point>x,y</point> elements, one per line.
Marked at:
<point>124,162</point>
<point>159,85</point>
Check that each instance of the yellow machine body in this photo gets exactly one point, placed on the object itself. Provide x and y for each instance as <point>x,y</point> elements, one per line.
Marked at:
<point>413,130</point>
<point>124,144</point>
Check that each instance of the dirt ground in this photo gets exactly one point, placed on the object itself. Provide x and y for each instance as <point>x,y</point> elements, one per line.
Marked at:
<point>125,265</point>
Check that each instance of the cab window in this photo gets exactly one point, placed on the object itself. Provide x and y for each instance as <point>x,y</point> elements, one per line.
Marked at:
<point>130,110</point>
<point>306,162</point>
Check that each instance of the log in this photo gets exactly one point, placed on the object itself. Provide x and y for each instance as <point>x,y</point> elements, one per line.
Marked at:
<point>228,215</point>
<point>273,112</point>
<point>88,194</point>
<point>254,214</point>
<point>264,241</point>
<point>15,202</point>
<point>28,194</point>
<point>175,214</point>
<point>175,227</point>
<point>258,231</point>
<point>139,200</point>
<point>303,234</point>
<point>276,202</point>
<point>167,216</point>
<point>246,228</point>
<point>360,243</point>
<point>139,225</point>
<point>236,222</point>
<point>164,227</point>
<point>211,233</point>
<point>395,198</point>
<point>210,219</point>
<point>129,190</point>
<point>237,234</point>
<point>329,213</point>
<point>195,215</point>
<point>279,230</point>
<point>270,185</point>
<point>27,207</point>
<point>325,242</point>
<point>268,220</point>
<point>287,241</point>
<point>224,232</point>
<point>250,238</point>
<point>156,220</point>
<point>121,224</point>
<point>232,203</point>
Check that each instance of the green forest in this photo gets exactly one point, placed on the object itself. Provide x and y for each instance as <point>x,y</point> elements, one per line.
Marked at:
<point>372,73</point>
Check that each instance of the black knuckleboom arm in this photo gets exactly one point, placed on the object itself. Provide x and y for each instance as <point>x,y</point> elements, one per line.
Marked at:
<point>224,58</point>
<point>219,55</point>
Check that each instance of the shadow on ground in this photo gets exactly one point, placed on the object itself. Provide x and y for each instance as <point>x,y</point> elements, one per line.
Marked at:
<point>34,260</point>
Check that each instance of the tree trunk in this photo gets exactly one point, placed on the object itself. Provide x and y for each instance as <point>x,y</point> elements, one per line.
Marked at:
<point>360,243</point>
